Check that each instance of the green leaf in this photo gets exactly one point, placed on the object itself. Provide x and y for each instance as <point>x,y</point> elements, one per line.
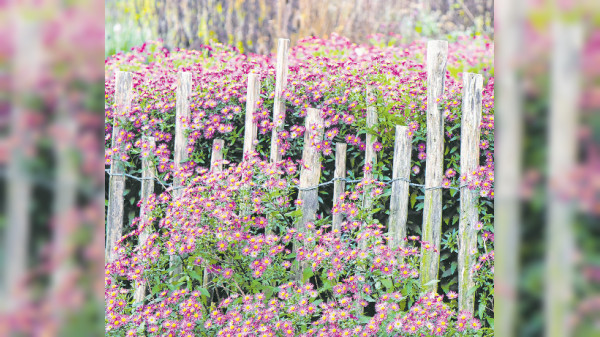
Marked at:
<point>307,274</point>
<point>204,292</point>
<point>413,199</point>
<point>430,283</point>
<point>295,213</point>
<point>387,283</point>
<point>195,275</point>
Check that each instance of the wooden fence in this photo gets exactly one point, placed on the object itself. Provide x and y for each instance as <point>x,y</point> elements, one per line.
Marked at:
<point>310,174</point>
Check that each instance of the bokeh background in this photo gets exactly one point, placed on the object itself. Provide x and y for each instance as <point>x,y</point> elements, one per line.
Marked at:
<point>254,25</point>
<point>51,131</point>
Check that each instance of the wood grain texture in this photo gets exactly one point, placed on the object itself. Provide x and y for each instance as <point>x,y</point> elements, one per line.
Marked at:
<point>400,191</point>
<point>114,217</point>
<point>216,166</point>
<point>437,55</point>
<point>469,161</point>
<point>281,73</point>
<point>182,116</point>
<point>339,186</point>
<point>310,174</point>
<point>250,127</point>
<point>370,154</point>
<point>147,190</point>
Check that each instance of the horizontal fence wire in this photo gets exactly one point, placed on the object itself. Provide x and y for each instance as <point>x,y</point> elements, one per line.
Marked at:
<point>351,181</point>
<point>49,183</point>
<point>140,179</point>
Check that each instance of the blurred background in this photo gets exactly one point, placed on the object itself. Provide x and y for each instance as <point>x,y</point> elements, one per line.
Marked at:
<point>51,131</point>
<point>254,25</point>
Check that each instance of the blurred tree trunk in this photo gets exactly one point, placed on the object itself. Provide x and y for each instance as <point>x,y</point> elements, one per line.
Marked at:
<point>161,14</point>
<point>254,25</point>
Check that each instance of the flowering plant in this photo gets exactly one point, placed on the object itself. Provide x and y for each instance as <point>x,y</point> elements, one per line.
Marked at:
<point>265,272</point>
<point>238,233</point>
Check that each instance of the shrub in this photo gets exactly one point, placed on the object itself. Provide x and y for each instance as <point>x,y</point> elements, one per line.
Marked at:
<point>241,226</point>
<point>229,223</point>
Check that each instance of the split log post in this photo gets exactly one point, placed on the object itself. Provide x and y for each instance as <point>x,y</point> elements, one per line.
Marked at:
<point>116,189</point>
<point>281,73</point>
<point>400,192</point>
<point>182,121</point>
<point>310,174</point>
<point>437,56</point>
<point>147,190</point>
<point>250,128</point>
<point>339,184</point>
<point>469,161</point>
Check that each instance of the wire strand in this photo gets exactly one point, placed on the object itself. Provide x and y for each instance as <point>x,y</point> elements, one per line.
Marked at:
<point>304,188</point>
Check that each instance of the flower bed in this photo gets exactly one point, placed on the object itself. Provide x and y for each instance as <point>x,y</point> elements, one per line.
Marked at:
<point>270,274</point>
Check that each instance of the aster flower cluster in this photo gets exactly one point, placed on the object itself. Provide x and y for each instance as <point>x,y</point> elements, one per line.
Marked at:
<point>230,256</point>
<point>267,278</point>
<point>330,74</point>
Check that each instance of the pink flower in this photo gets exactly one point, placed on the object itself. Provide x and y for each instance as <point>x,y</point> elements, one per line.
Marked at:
<point>377,146</point>
<point>227,273</point>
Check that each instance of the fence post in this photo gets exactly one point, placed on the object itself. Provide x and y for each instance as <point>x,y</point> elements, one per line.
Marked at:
<point>279,102</point>
<point>114,217</point>
<point>250,127</point>
<point>370,154</point>
<point>182,115</point>
<point>310,174</point>
<point>339,185</point>
<point>469,161</point>
<point>437,55</point>
<point>64,208</point>
<point>399,197</point>
<point>182,121</point>
<point>216,166</point>
<point>562,159</point>
<point>147,190</point>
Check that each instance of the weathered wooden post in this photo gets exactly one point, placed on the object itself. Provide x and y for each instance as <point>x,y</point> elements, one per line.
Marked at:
<point>310,174</point>
<point>64,207</point>
<point>281,73</point>
<point>216,166</point>
<point>508,150</point>
<point>182,122</point>
<point>469,161</point>
<point>114,216</point>
<point>147,190</point>
<point>250,127</point>
<point>399,197</point>
<point>563,139</point>
<point>182,116</point>
<point>370,154</point>
<point>437,55</point>
<point>339,185</point>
